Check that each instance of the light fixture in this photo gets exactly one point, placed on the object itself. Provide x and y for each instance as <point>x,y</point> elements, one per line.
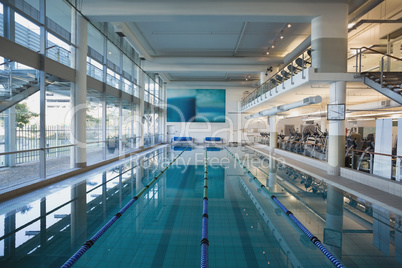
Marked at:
<point>110,52</point>
<point>273,46</point>
<point>267,52</point>
<point>281,36</point>
<point>289,25</point>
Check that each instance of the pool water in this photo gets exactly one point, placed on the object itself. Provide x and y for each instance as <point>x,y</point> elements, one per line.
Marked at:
<point>163,227</point>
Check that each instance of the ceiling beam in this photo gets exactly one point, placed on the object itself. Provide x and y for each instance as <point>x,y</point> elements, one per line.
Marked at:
<point>163,10</point>
<point>122,29</point>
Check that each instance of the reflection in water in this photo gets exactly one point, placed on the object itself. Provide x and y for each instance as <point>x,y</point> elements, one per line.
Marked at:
<point>357,232</point>
<point>246,227</point>
<point>46,232</point>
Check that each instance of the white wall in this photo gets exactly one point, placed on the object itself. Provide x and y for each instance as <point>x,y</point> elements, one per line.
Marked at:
<point>229,130</point>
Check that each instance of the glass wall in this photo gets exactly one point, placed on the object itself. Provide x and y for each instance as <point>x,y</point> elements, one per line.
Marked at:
<point>26,33</point>
<point>95,139</point>
<point>113,123</point>
<point>127,127</point>
<point>19,123</point>
<point>59,21</point>
<point>59,112</point>
<point>1,20</point>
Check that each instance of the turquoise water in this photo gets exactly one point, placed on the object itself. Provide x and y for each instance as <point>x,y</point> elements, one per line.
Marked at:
<point>163,227</point>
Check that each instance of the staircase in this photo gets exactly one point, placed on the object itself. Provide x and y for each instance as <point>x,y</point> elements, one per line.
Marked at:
<point>382,72</point>
<point>390,84</point>
<point>24,83</point>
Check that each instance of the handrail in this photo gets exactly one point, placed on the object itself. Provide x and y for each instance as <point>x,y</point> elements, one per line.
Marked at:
<point>374,153</point>
<point>88,244</point>
<point>204,238</point>
<point>37,149</point>
<point>279,72</point>
<point>312,238</point>
<point>273,76</point>
<point>385,54</point>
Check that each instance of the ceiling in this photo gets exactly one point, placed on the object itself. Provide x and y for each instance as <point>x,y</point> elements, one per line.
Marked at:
<point>225,43</point>
<point>222,41</point>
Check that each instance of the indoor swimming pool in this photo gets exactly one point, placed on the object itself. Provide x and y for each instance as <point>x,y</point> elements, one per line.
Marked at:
<point>163,228</point>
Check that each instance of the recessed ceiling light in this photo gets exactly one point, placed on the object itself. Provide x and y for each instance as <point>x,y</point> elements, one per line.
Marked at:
<point>289,25</point>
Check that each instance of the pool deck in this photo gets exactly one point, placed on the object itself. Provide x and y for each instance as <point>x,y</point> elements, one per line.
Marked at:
<point>389,197</point>
<point>23,178</point>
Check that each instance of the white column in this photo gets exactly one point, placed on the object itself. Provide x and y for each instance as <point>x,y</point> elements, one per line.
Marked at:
<point>273,133</point>
<point>79,94</point>
<point>141,109</point>
<point>263,78</point>
<point>10,139</point>
<point>329,39</point>
<point>273,143</point>
<point>164,99</point>
<point>336,138</point>
<point>10,121</point>
<point>78,217</point>
<point>42,94</point>
<point>334,217</point>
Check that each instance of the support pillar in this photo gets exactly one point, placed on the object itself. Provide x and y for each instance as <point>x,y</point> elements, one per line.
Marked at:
<point>329,34</point>
<point>336,138</point>
<point>79,94</point>
<point>9,241</point>
<point>273,143</point>
<point>334,221</point>
<point>78,214</point>
<point>10,121</point>
<point>141,109</point>
<point>42,88</point>
<point>164,120</point>
<point>10,138</point>
<point>273,133</point>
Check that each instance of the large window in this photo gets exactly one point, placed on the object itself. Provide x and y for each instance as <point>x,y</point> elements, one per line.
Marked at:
<point>112,125</point>
<point>58,50</point>
<point>96,44</point>
<point>58,125</point>
<point>95,139</point>
<point>26,33</point>
<point>1,20</point>
<point>19,122</point>
<point>59,17</point>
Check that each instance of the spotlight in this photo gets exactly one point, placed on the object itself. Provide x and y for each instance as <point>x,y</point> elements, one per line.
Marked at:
<point>273,46</point>
<point>289,25</point>
<point>281,36</point>
<point>267,52</point>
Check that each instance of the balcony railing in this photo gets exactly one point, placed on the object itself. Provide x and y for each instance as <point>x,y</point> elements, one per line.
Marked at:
<point>296,66</point>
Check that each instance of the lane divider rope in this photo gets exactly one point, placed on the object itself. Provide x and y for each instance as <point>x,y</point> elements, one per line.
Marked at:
<point>312,238</point>
<point>204,238</point>
<point>88,244</point>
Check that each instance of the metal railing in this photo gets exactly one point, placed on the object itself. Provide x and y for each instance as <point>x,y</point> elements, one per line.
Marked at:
<point>298,65</point>
<point>371,60</point>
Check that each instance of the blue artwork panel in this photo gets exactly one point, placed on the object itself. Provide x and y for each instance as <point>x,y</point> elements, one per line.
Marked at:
<point>196,105</point>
